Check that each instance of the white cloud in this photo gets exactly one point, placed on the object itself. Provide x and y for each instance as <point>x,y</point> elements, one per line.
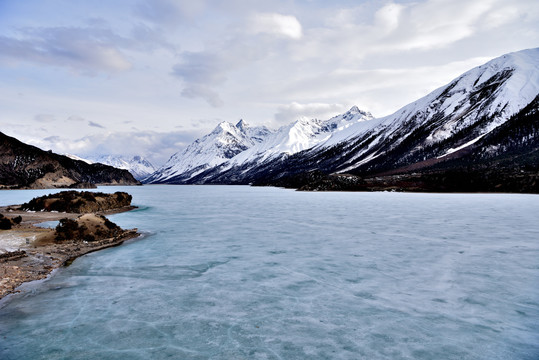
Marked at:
<point>170,13</point>
<point>380,91</point>
<point>201,91</point>
<point>438,23</point>
<point>103,56</point>
<point>387,18</point>
<point>81,49</point>
<point>392,28</point>
<point>44,118</point>
<point>75,118</point>
<point>276,24</point>
<point>201,72</point>
<point>503,14</point>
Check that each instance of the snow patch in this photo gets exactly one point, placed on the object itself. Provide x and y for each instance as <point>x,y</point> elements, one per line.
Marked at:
<point>452,150</point>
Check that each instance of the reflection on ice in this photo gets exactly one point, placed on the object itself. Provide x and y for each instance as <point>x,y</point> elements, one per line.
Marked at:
<point>262,273</point>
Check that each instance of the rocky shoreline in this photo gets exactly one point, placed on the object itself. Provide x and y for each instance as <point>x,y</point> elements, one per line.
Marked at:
<point>36,256</point>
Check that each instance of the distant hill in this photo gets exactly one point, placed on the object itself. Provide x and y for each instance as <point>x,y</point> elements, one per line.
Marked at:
<point>26,166</point>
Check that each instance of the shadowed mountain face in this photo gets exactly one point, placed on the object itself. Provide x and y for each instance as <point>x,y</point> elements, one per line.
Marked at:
<point>480,130</point>
<point>26,166</point>
<point>504,160</point>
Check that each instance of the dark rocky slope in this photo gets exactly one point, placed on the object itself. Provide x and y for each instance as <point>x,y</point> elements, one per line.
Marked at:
<point>26,166</point>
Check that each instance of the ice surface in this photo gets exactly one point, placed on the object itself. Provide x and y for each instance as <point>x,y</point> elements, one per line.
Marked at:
<point>232,272</point>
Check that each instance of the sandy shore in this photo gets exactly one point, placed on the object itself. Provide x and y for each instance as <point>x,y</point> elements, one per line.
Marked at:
<point>28,252</point>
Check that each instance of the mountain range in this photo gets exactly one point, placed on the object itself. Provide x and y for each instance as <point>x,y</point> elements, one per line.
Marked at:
<point>480,132</point>
<point>231,146</point>
<point>482,125</point>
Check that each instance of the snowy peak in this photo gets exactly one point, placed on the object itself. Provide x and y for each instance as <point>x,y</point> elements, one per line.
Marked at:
<point>257,134</point>
<point>300,135</point>
<point>225,127</point>
<point>141,160</point>
<point>355,111</point>
<point>224,142</point>
<point>514,77</point>
<point>139,167</point>
<point>350,117</point>
<point>242,125</point>
<point>229,145</point>
<point>113,160</point>
<point>454,116</point>
<point>495,90</point>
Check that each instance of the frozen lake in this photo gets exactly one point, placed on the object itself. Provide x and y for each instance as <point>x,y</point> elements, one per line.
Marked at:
<point>233,272</point>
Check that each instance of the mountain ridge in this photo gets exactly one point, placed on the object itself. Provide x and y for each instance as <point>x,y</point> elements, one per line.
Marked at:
<point>27,166</point>
<point>288,139</point>
<point>447,124</point>
<point>224,142</point>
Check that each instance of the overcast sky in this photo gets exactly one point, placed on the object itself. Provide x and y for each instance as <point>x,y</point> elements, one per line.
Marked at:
<point>149,76</point>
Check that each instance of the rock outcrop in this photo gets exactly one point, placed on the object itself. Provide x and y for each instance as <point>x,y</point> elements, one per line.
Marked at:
<point>78,202</point>
<point>30,253</point>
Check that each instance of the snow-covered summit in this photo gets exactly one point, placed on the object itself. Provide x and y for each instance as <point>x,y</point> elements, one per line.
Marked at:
<point>495,90</point>
<point>500,88</point>
<point>300,135</point>
<point>224,142</point>
<point>230,145</point>
<point>138,166</point>
<point>242,125</point>
<point>457,114</point>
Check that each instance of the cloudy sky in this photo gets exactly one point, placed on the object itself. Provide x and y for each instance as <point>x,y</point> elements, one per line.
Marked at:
<point>149,76</point>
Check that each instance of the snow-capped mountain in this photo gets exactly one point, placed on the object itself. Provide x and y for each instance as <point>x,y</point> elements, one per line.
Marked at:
<point>139,167</point>
<point>229,146</point>
<point>223,143</point>
<point>300,135</point>
<point>449,119</point>
<point>446,124</point>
